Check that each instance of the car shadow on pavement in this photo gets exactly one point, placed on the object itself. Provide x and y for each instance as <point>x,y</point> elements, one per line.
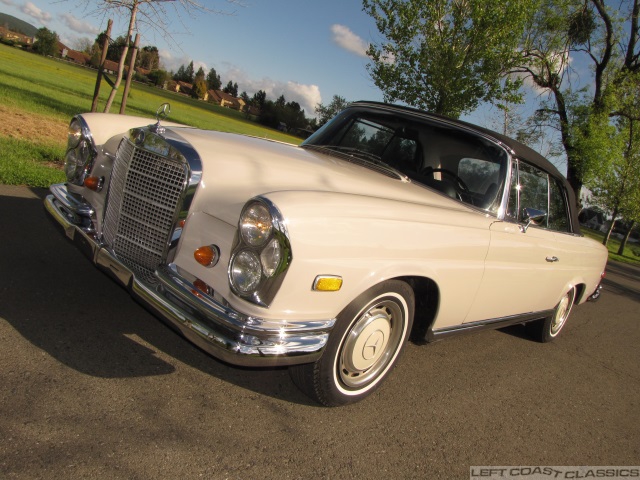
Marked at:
<point>622,279</point>
<point>58,301</point>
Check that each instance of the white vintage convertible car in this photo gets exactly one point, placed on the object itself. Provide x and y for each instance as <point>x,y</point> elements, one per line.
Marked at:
<point>326,257</point>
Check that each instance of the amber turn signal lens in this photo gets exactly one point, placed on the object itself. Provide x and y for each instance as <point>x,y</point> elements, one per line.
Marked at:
<point>327,283</point>
<point>207,255</point>
<point>94,183</point>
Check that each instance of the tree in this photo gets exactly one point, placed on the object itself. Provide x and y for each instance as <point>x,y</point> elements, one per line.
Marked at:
<point>179,75</point>
<point>149,58</point>
<point>293,116</point>
<point>46,42</point>
<point>158,77</point>
<point>188,73</point>
<point>446,56</point>
<point>617,188</point>
<point>326,113</point>
<point>84,45</point>
<point>231,89</point>
<point>587,29</point>
<point>117,48</point>
<point>259,99</point>
<point>199,89</point>
<point>213,80</point>
<point>151,13</point>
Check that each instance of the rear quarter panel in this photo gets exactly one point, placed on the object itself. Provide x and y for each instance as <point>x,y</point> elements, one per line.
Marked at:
<point>583,260</point>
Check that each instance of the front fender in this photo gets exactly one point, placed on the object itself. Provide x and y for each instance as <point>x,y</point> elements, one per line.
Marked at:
<point>367,240</point>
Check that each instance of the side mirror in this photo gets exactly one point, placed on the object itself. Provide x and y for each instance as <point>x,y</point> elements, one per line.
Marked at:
<point>531,216</point>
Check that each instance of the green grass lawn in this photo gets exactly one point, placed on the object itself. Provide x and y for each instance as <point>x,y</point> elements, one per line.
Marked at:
<point>55,90</point>
<point>631,251</point>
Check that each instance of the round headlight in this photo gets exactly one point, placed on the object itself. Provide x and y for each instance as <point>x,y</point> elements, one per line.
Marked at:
<point>270,257</point>
<point>71,165</point>
<point>256,224</point>
<point>74,135</point>
<point>245,271</point>
<point>76,160</point>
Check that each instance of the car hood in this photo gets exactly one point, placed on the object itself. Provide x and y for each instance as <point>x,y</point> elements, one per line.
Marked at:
<point>236,168</point>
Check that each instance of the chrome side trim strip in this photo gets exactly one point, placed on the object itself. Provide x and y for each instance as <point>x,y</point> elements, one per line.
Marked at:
<point>489,324</point>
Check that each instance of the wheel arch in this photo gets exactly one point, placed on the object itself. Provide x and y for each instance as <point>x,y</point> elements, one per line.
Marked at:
<point>427,301</point>
<point>581,293</point>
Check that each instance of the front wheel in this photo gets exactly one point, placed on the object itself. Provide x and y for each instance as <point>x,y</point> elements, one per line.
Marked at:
<point>369,335</point>
<point>547,329</point>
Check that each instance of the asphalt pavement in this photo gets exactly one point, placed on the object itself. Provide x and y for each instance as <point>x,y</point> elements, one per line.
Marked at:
<point>93,386</point>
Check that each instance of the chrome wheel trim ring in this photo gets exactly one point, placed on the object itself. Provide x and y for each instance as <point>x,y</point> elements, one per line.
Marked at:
<point>371,344</point>
<point>562,313</point>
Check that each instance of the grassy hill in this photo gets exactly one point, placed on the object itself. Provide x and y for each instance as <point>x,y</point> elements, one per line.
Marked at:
<point>39,95</point>
<point>16,25</point>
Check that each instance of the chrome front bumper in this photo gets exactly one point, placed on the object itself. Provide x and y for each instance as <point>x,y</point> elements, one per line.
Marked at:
<point>220,330</point>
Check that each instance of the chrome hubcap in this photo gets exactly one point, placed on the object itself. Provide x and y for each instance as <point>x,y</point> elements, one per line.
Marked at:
<point>370,344</point>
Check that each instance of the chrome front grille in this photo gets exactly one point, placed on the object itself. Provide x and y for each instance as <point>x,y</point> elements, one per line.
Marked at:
<point>145,194</point>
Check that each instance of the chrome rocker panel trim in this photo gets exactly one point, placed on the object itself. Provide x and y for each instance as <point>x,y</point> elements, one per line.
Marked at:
<point>490,324</point>
<point>218,329</point>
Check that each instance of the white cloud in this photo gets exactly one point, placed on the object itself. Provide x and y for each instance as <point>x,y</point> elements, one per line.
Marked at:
<point>348,40</point>
<point>78,25</point>
<point>8,2</point>
<point>196,66</point>
<point>308,96</point>
<point>35,13</point>
<point>171,63</point>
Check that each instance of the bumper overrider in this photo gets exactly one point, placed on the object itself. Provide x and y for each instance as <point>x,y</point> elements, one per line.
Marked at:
<point>208,322</point>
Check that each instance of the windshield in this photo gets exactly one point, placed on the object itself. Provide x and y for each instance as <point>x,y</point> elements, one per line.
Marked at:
<point>453,161</point>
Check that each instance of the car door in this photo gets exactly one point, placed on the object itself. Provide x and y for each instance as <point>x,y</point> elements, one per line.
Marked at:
<point>521,269</point>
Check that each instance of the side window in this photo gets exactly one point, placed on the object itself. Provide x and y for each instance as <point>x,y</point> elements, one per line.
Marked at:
<point>534,188</point>
<point>482,178</point>
<point>558,211</point>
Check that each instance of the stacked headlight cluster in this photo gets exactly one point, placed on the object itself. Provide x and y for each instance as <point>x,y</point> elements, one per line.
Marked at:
<point>263,252</point>
<point>80,152</point>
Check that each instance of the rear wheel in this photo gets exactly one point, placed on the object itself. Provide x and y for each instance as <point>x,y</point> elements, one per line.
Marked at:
<point>369,335</point>
<point>547,329</point>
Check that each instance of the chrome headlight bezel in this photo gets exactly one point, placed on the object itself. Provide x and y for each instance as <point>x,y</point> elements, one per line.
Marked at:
<point>81,151</point>
<point>270,248</point>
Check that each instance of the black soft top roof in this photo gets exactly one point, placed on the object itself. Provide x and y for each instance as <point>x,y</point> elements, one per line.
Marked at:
<point>518,149</point>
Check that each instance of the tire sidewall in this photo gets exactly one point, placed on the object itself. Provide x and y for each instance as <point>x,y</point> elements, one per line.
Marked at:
<point>547,333</point>
<point>394,290</point>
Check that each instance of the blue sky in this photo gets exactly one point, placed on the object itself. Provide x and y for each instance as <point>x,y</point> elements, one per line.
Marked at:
<point>306,50</point>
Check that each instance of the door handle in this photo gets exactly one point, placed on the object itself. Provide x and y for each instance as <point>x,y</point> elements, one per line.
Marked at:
<point>552,259</point>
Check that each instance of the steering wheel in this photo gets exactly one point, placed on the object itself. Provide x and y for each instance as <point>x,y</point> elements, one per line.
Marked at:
<point>459,184</point>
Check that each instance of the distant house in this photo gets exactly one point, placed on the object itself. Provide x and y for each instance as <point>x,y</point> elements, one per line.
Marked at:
<point>184,87</point>
<point>80,58</point>
<point>15,36</point>
<point>110,67</point>
<point>225,100</point>
<point>594,219</point>
<point>143,71</point>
